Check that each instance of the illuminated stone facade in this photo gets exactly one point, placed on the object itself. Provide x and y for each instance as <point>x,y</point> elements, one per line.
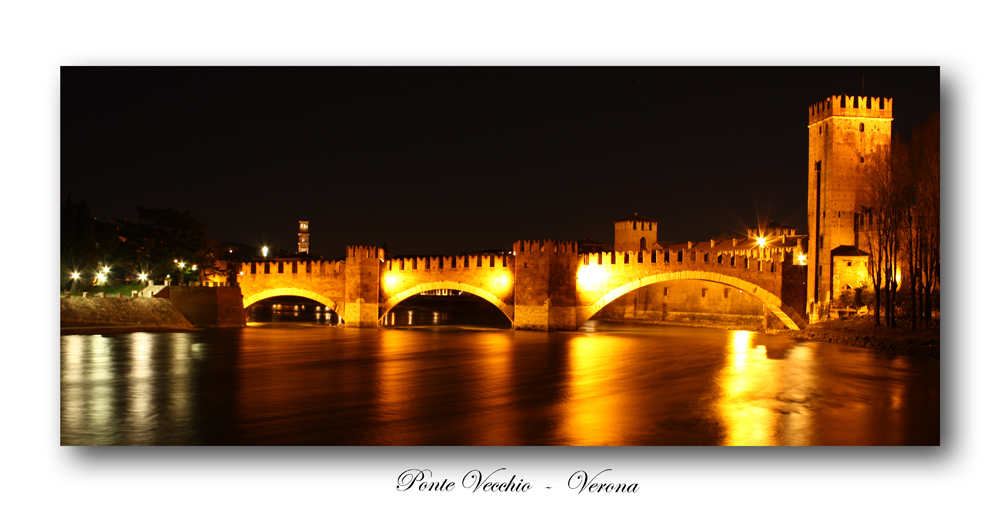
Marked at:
<point>843,132</point>
<point>540,284</point>
<point>707,302</point>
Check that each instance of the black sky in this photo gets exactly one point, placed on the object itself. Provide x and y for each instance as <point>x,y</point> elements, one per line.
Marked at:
<point>444,160</point>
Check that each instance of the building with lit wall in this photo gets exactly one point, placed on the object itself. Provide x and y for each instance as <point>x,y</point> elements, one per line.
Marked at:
<point>692,302</point>
<point>843,132</point>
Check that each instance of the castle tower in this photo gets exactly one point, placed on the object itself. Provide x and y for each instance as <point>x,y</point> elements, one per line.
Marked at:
<point>635,233</point>
<point>304,236</point>
<point>843,132</point>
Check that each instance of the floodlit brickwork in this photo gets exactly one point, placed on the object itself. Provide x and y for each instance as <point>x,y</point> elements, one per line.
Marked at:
<point>844,131</point>
<point>541,285</point>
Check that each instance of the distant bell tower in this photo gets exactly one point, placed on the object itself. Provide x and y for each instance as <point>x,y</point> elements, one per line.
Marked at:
<point>304,236</point>
<point>843,132</point>
<point>635,233</point>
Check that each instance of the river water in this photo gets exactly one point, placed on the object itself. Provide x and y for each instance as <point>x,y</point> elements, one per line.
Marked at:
<point>316,383</point>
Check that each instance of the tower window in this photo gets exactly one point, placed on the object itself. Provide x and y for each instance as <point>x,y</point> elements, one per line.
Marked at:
<point>633,225</point>
<point>821,129</point>
<point>861,127</point>
<point>725,293</point>
<point>642,244</point>
<point>703,292</point>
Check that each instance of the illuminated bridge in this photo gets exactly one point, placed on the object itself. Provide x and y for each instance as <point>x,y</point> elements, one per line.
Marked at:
<point>541,285</point>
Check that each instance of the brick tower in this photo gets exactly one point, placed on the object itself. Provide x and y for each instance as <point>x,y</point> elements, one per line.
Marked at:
<point>304,236</point>
<point>843,131</point>
<point>635,233</point>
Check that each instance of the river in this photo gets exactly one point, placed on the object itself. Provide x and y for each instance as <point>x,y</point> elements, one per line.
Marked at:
<point>287,381</point>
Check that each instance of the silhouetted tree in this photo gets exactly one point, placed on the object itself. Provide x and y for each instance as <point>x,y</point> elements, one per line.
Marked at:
<point>77,243</point>
<point>165,236</point>
<point>883,219</point>
<point>924,234</point>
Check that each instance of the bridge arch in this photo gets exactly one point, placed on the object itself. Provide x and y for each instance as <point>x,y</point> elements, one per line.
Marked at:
<point>252,299</point>
<point>507,310</point>
<point>785,313</point>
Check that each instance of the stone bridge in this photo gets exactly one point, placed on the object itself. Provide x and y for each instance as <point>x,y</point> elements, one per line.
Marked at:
<point>539,285</point>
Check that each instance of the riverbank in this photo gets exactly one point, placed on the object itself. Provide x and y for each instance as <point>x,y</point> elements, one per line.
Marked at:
<point>119,329</point>
<point>99,315</point>
<point>922,343</point>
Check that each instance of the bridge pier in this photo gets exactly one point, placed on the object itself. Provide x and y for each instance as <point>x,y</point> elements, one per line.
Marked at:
<point>362,274</point>
<point>545,286</point>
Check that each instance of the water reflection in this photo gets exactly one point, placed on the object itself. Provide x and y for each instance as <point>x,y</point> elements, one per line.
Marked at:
<point>763,401</point>
<point>438,385</point>
<point>601,402</point>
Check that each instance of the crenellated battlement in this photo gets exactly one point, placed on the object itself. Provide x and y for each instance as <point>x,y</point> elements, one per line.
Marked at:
<point>447,262</point>
<point>365,251</point>
<point>252,268</point>
<point>531,246</point>
<point>851,106</point>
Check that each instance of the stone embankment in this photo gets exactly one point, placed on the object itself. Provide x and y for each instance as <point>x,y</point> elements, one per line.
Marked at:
<point>922,343</point>
<point>112,314</point>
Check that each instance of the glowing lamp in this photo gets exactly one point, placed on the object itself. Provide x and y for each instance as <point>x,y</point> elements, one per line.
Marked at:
<point>802,259</point>
<point>75,275</point>
<point>263,251</point>
<point>761,242</point>
<point>142,277</point>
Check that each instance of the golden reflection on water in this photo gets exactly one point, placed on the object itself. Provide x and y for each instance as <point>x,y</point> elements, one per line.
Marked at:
<point>761,401</point>
<point>598,409</point>
<point>483,380</point>
<point>491,396</point>
<point>397,378</point>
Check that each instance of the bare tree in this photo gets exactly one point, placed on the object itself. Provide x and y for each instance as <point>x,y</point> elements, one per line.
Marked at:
<point>927,214</point>
<point>883,218</point>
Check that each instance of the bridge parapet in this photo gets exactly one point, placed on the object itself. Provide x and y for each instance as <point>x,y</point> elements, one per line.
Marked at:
<point>291,267</point>
<point>529,246</point>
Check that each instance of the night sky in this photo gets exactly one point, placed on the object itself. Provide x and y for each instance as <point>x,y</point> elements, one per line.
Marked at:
<point>445,160</point>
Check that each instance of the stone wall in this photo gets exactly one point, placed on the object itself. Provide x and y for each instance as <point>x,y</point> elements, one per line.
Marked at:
<point>545,288</point>
<point>362,286</point>
<point>127,311</point>
<point>208,306</point>
<point>687,303</point>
